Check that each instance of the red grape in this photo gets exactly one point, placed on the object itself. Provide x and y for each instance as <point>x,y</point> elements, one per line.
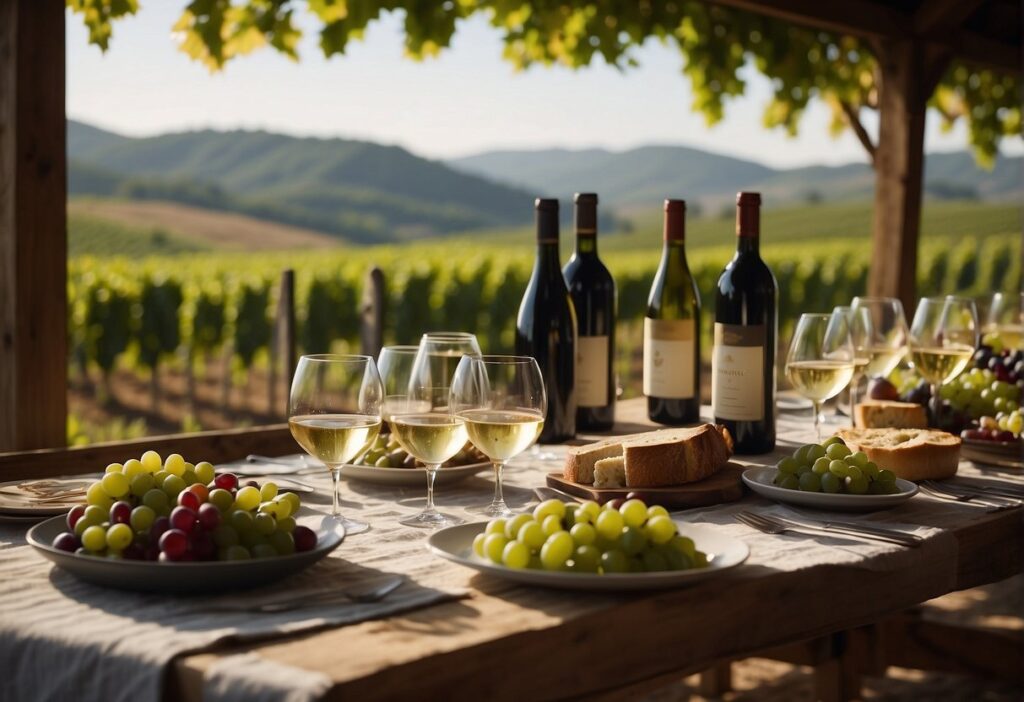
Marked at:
<point>616,503</point>
<point>66,541</point>
<point>200,491</point>
<point>120,512</point>
<point>209,516</point>
<point>133,552</point>
<point>305,538</point>
<point>253,483</point>
<point>160,525</point>
<point>183,519</point>
<point>74,515</point>
<point>174,544</point>
<point>189,499</point>
<point>203,547</point>
<point>151,553</point>
<point>226,481</point>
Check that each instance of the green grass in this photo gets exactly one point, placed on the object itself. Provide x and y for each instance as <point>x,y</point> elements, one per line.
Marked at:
<point>96,236</point>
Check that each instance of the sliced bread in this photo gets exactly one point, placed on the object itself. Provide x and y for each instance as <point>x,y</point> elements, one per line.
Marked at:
<point>878,414</point>
<point>610,473</point>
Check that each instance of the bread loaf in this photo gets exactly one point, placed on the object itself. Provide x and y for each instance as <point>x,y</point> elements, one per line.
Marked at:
<point>878,414</point>
<point>912,454</point>
<point>652,459</point>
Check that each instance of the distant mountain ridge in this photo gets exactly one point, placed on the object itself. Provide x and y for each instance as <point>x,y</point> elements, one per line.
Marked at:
<point>649,173</point>
<point>359,190</point>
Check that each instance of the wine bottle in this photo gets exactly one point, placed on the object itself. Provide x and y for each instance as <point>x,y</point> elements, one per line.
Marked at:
<point>672,330</point>
<point>746,328</point>
<point>546,328</point>
<point>593,297</point>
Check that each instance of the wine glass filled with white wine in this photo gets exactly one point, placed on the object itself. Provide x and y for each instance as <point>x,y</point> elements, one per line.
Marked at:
<point>820,360</point>
<point>943,337</point>
<point>860,336</point>
<point>334,414</point>
<point>886,341</point>
<point>1004,323</point>
<point>502,401</point>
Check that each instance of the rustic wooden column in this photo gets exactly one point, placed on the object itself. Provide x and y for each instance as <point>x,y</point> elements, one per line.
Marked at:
<point>33,226</point>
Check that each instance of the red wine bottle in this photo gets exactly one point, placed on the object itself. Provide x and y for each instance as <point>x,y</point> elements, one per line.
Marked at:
<point>546,328</point>
<point>593,297</point>
<point>672,330</point>
<point>746,329</point>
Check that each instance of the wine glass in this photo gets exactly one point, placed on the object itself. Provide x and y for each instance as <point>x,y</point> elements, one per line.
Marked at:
<point>860,336</point>
<point>395,365</point>
<point>887,333</point>
<point>820,360</point>
<point>334,414</point>
<point>943,336</point>
<point>421,418</point>
<point>1005,320</point>
<point>502,401</point>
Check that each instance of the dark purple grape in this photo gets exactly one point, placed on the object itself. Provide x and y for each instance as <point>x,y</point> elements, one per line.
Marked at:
<point>994,362</point>
<point>120,512</point>
<point>74,515</point>
<point>209,516</point>
<point>982,356</point>
<point>183,519</point>
<point>160,525</point>
<point>134,552</point>
<point>305,538</point>
<point>174,544</point>
<point>253,483</point>
<point>67,541</point>
<point>1003,435</point>
<point>203,547</point>
<point>226,481</point>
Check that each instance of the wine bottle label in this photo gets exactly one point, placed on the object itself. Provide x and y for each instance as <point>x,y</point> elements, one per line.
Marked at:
<point>591,371</point>
<point>668,358</point>
<point>737,372</point>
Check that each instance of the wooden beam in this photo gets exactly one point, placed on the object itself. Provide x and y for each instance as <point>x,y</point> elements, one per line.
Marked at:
<point>33,225</point>
<point>937,16</point>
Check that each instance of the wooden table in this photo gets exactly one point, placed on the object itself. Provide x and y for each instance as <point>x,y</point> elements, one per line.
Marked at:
<point>519,643</point>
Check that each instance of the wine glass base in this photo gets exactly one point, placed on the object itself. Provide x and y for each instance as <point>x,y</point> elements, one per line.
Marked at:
<point>493,511</point>
<point>352,526</point>
<point>432,520</point>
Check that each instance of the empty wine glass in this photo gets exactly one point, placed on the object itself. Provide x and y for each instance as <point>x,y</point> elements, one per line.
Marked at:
<point>1004,322</point>
<point>860,336</point>
<point>502,401</point>
<point>334,414</point>
<point>887,336</point>
<point>820,360</point>
<point>395,365</point>
<point>942,339</point>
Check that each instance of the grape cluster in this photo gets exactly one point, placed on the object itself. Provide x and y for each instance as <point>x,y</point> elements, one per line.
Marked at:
<point>989,395</point>
<point>387,453</point>
<point>170,510</point>
<point>831,467</point>
<point>623,536</point>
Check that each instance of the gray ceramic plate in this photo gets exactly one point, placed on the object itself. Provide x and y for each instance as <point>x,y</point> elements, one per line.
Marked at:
<point>760,481</point>
<point>215,576</point>
<point>410,477</point>
<point>724,552</point>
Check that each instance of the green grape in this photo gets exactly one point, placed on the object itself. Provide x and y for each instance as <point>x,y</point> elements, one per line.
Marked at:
<point>858,458</point>
<point>549,508</point>
<point>583,534</point>
<point>513,525</point>
<point>173,484</point>
<point>661,529</point>
<point>570,515</point>
<point>886,476</point>
<point>804,468</point>
<point>589,508</point>
<point>586,559</point>
<point>225,535</point>
<point>114,468</point>
<point>204,470</point>
<point>236,553</point>
<point>609,523</point>
<point>831,441</point>
<point>159,477</point>
<point>821,465</point>
<point>877,488</point>
<point>857,486</point>
<point>683,544</point>
<point>516,554</point>
<point>854,472</point>
<point>152,462</point>
<point>495,526</point>
<point>801,455</point>
<point>268,491</point>
<point>142,483</point>
<point>283,543</point>
<point>478,544</point>
<point>282,507</point>
<point>814,452</point>
<point>270,508</point>
<point>221,499</point>
<point>532,535</point>
<point>676,560</point>
<point>133,467</point>
<point>494,546</point>
<point>556,551</point>
<point>115,484</point>
<point>294,500</point>
<point>656,510</point>
<point>264,524</point>
<point>551,524</point>
<point>156,500</point>
<point>286,524</point>
<point>790,482</point>
<point>119,537</point>
<point>247,498</point>
<point>190,477</point>
<point>633,541</point>
<point>870,469</point>
<point>614,561</point>
<point>264,551</point>
<point>80,526</point>
<point>700,560</point>
<point>174,464</point>
<point>242,521</point>
<point>142,517</point>
<point>634,513</point>
<point>252,538</point>
<point>653,561</point>
<point>839,468</point>
<point>94,538</point>
<point>831,483</point>
<point>837,451</point>
<point>810,482</point>
<point>94,514</point>
<point>1015,423</point>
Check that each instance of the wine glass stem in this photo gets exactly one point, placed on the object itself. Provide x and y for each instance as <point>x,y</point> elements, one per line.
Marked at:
<point>817,420</point>
<point>853,393</point>
<point>431,477</point>
<point>499,498</point>
<point>937,405</point>
<point>336,480</point>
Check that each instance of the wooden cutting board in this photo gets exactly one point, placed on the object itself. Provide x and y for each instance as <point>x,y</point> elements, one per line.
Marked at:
<point>723,486</point>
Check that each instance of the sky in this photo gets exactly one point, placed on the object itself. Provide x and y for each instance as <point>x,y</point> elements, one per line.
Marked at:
<point>466,101</point>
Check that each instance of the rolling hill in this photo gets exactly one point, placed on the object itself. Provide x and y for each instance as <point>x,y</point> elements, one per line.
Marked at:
<point>361,191</point>
<point>649,173</point>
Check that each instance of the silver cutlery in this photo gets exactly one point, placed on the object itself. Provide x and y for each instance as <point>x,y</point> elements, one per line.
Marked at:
<point>946,492</point>
<point>778,525</point>
<point>547,493</point>
<point>359,595</point>
<point>1006,491</point>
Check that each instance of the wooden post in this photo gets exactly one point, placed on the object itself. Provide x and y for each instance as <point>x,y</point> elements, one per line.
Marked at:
<point>371,313</point>
<point>282,346</point>
<point>33,226</point>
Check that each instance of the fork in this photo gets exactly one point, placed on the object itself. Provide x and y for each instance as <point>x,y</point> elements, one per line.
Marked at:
<point>778,525</point>
<point>362,595</point>
<point>946,492</point>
